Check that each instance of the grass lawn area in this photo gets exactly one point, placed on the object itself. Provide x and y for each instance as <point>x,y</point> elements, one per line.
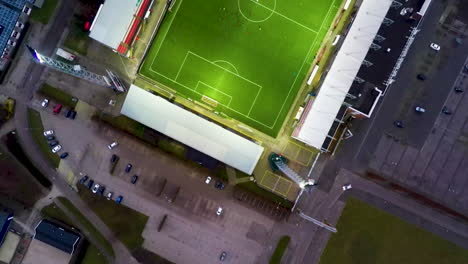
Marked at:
<point>126,223</point>
<point>43,14</point>
<point>77,40</point>
<point>37,132</point>
<point>93,256</point>
<point>54,212</point>
<point>367,235</point>
<point>245,58</point>
<point>58,95</point>
<point>280,249</point>
<point>87,224</point>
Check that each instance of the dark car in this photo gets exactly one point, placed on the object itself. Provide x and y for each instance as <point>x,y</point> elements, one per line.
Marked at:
<point>68,113</point>
<point>446,110</point>
<point>134,179</point>
<point>57,109</point>
<point>119,199</point>
<point>101,190</point>
<point>83,179</point>
<point>53,143</point>
<point>421,77</point>
<point>64,155</point>
<point>73,115</point>
<point>219,185</point>
<point>128,168</point>
<point>223,255</point>
<point>90,184</point>
<point>399,123</point>
<point>114,158</point>
<point>458,89</point>
<point>49,138</point>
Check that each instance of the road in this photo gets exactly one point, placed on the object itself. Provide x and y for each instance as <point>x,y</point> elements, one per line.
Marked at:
<point>356,153</point>
<point>24,93</point>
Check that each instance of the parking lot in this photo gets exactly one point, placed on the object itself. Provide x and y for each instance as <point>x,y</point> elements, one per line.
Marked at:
<point>193,232</point>
<point>428,154</point>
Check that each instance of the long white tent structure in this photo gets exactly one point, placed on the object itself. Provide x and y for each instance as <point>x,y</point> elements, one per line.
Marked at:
<point>191,130</point>
<point>318,121</point>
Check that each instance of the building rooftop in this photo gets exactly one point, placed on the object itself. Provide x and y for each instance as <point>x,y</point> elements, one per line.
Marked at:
<point>57,236</point>
<point>117,21</point>
<point>191,130</point>
<point>8,18</point>
<point>316,124</point>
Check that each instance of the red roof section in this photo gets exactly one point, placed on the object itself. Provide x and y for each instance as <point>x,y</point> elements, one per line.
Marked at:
<point>138,17</point>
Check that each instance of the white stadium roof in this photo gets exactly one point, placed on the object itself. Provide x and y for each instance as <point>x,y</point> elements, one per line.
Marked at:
<point>191,130</point>
<point>112,21</point>
<point>342,73</point>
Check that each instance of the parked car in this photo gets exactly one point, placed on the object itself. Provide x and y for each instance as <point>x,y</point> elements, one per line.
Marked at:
<point>64,155</point>
<point>435,47</point>
<point>128,168</point>
<point>458,89</point>
<point>112,145</point>
<point>219,185</point>
<point>219,211</point>
<point>398,123</point>
<point>53,143</point>
<point>90,184</point>
<point>83,179</point>
<point>73,115</point>
<point>114,158</point>
<point>119,199</point>
<point>419,109</point>
<point>446,110</point>
<point>421,77</point>
<point>45,102</point>
<point>57,109</point>
<point>109,195</point>
<point>223,256</point>
<point>15,34</point>
<point>134,179</point>
<point>95,188</point>
<point>48,133</point>
<point>208,180</point>
<point>101,190</point>
<point>27,10</point>
<point>347,187</point>
<point>19,25</point>
<point>49,138</point>
<point>68,113</point>
<point>56,149</point>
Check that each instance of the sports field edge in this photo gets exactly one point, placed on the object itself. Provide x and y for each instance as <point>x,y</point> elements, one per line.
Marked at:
<point>289,101</point>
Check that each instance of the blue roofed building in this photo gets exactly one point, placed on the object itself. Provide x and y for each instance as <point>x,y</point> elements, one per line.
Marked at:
<point>5,221</point>
<point>57,236</point>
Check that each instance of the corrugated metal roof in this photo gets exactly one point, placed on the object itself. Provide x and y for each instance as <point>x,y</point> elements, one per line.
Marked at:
<point>113,21</point>
<point>191,130</point>
<point>335,87</point>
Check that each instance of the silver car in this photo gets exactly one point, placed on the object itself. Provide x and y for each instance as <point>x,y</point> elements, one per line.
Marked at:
<point>56,149</point>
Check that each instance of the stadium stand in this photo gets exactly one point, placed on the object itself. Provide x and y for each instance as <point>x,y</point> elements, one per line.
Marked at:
<point>120,33</point>
<point>365,66</point>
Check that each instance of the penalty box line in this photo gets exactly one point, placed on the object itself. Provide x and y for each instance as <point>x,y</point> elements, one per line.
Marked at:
<point>191,89</point>
<point>224,69</point>
<point>211,87</point>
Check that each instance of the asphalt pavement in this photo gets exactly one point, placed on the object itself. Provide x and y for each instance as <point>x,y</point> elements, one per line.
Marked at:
<point>24,93</point>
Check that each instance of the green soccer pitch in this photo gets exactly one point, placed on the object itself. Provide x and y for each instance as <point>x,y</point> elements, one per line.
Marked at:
<point>248,58</point>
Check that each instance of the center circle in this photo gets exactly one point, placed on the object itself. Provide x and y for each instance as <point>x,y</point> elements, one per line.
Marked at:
<point>248,15</point>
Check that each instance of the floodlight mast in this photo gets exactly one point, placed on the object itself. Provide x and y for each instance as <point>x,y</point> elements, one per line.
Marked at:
<point>77,71</point>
